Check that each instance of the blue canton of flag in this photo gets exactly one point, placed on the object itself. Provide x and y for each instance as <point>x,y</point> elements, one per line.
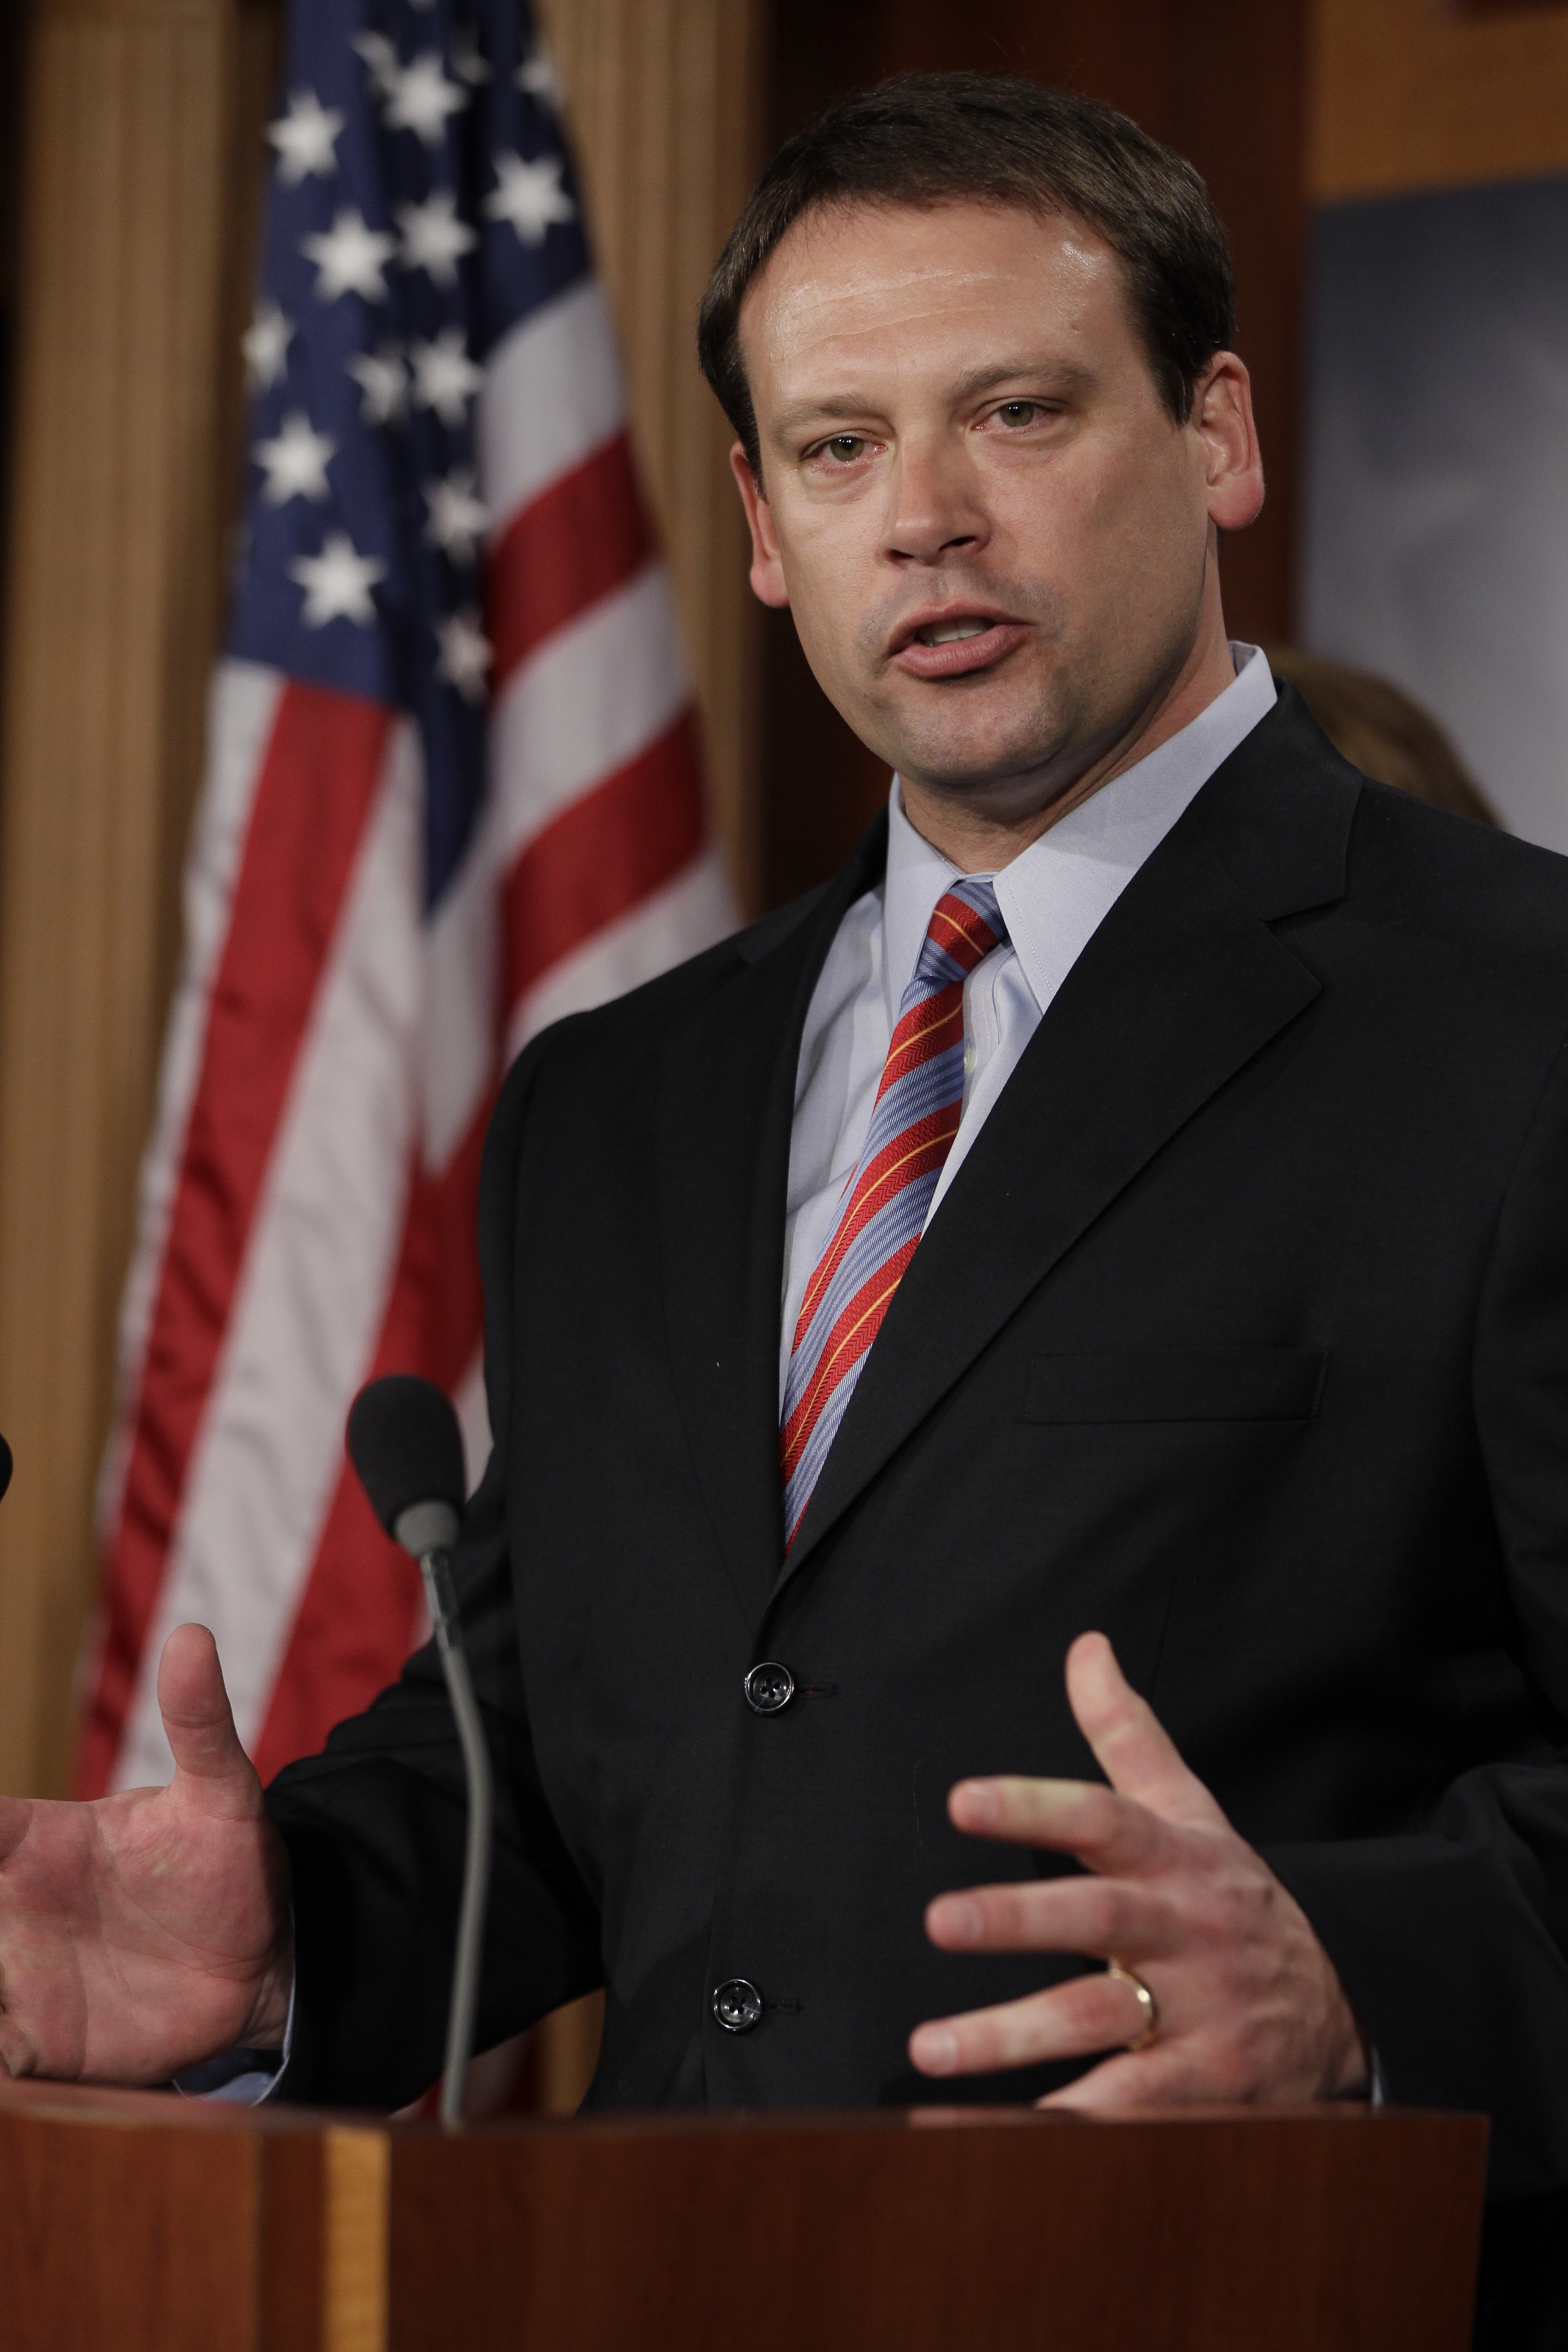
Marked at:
<point>424,205</point>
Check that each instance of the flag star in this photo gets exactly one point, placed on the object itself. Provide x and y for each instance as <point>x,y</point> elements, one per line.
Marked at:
<point>336,583</point>
<point>350,258</point>
<point>420,98</point>
<point>434,237</point>
<point>444,377</point>
<point>384,380</point>
<point>467,60</point>
<point>537,78</point>
<point>380,61</point>
<point>458,516</point>
<point>265,343</point>
<point>306,139</point>
<point>530,195</point>
<point>466,653</point>
<point>295,461</point>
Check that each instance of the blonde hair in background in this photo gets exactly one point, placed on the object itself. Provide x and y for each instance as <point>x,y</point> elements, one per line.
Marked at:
<point>1379,729</point>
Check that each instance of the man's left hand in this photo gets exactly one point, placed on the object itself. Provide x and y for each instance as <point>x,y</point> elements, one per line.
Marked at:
<point>1247,2004</point>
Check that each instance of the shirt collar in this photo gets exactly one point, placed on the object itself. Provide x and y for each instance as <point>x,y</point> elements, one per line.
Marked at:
<point>1057,892</point>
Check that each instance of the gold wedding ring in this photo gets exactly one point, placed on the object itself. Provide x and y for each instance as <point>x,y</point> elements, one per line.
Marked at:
<point>1146,2002</point>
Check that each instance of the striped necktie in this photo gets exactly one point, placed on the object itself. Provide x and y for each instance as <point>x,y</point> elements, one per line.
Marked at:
<point>913,1121</point>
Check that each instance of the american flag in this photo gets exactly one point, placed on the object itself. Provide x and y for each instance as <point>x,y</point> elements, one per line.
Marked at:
<point>453,793</point>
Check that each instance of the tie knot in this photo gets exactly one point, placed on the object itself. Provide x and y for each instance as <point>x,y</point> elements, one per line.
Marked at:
<point>966,924</point>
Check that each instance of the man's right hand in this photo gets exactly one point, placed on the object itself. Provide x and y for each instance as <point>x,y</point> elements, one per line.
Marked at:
<point>148,1930</point>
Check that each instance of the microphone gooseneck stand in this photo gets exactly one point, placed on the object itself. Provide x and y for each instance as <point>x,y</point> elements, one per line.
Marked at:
<point>428,1531</point>
<point>404,1444</point>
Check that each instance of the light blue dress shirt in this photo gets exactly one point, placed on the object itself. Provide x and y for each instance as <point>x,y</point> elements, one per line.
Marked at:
<point>1054,894</point>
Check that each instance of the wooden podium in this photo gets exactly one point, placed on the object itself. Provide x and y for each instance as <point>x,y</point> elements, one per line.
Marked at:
<point>141,2223</point>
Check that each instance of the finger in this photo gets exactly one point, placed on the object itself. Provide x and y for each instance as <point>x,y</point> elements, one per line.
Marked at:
<point>1101,1917</point>
<point>199,1721</point>
<point>1133,1747</point>
<point>18,2049</point>
<point>1132,2080</point>
<point>15,1814</point>
<point>1092,2012</point>
<point>1105,1830</point>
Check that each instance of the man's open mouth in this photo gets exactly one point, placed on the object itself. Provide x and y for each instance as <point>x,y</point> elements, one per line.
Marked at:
<point>954,645</point>
<point>947,633</point>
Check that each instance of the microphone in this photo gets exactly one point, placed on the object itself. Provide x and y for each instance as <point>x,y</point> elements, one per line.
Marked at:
<point>404,1444</point>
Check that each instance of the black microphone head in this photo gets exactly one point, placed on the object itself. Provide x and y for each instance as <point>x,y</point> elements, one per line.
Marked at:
<point>6,1465</point>
<point>405,1443</point>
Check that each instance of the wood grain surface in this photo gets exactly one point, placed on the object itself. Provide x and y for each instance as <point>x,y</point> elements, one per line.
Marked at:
<point>135,2222</point>
<point>1406,95</point>
<point>140,2221</point>
<point>1316,2232</point>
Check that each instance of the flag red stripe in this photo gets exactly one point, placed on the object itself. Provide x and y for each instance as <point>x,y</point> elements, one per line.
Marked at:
<point>360,1604</point>
<point>314,795</point>
<point>610,848</point>
<point>584,536</point>
<point>361,1600</point>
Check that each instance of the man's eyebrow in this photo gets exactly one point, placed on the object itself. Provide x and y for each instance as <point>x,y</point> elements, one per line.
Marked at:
<point>821,410</point>
<point>1057,374</point>
<point>1061,374</point>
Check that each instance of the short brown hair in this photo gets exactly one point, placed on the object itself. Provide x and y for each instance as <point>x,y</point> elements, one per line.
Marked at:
<point>933,139</point>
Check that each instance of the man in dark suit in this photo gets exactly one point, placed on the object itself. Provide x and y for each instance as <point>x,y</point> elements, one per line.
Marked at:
<point>1134,1196</point>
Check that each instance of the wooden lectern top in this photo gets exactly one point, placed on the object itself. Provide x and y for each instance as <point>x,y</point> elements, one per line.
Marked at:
<point>148,2223</point>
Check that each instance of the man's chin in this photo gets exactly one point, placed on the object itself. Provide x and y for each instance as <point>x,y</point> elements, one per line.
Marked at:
<point>1000,781</point>
<point>972,750</point>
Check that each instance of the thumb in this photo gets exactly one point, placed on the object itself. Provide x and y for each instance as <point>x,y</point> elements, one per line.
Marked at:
<point>199,1721</point>
<point>1135,1752</point>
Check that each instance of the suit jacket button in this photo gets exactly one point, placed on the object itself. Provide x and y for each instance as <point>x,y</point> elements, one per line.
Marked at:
<point>769,1687</point>
<point>738,2005</point>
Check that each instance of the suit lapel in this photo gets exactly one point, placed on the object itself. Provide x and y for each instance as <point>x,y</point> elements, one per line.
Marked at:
<point>726,1105</point>
<point>1182,986</point>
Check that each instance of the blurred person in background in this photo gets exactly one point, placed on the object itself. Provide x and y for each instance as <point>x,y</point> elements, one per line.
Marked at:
<point>1375,725</point>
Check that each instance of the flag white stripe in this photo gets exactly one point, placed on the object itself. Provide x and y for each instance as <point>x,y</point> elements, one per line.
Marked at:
<point>553,393</point>
<point>463,949</point>
<point>472,1410</point>
<point>593,697</point>
<point>690,913</point>
<point>242,708</point>
<point>312,1293</point>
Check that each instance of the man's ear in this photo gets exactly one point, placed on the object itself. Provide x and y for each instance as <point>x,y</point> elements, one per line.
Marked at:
<point>1227,436</point>
<point>767,565</point>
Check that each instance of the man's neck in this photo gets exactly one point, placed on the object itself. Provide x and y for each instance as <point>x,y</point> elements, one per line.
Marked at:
<point>979,840</point>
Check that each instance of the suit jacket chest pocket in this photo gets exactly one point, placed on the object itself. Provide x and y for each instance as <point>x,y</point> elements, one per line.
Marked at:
<point>1177,1384</point>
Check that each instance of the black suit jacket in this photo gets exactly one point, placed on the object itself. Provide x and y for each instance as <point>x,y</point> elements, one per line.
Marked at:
<point>1241,1335</point>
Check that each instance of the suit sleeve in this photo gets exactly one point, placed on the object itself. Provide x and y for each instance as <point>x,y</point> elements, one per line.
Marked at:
<point>374,1824</point>
<point>1452,1942</point>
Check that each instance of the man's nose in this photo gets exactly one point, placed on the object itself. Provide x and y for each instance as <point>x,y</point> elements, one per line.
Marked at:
<point>935,507</point>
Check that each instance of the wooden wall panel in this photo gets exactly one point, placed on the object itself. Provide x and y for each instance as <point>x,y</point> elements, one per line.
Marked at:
<point>1408,95</point>
<point>126,406</point>
<point>664,99</point>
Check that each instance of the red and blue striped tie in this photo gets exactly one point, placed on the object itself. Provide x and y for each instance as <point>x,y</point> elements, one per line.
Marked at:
<point>913,1121</point>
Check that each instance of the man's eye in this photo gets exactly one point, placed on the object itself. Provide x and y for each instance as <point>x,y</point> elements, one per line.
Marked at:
<point>1018,412</point>
<point>844,448</point>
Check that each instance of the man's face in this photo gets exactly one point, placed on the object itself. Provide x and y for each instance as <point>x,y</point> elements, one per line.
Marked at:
<point>995,538</point>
